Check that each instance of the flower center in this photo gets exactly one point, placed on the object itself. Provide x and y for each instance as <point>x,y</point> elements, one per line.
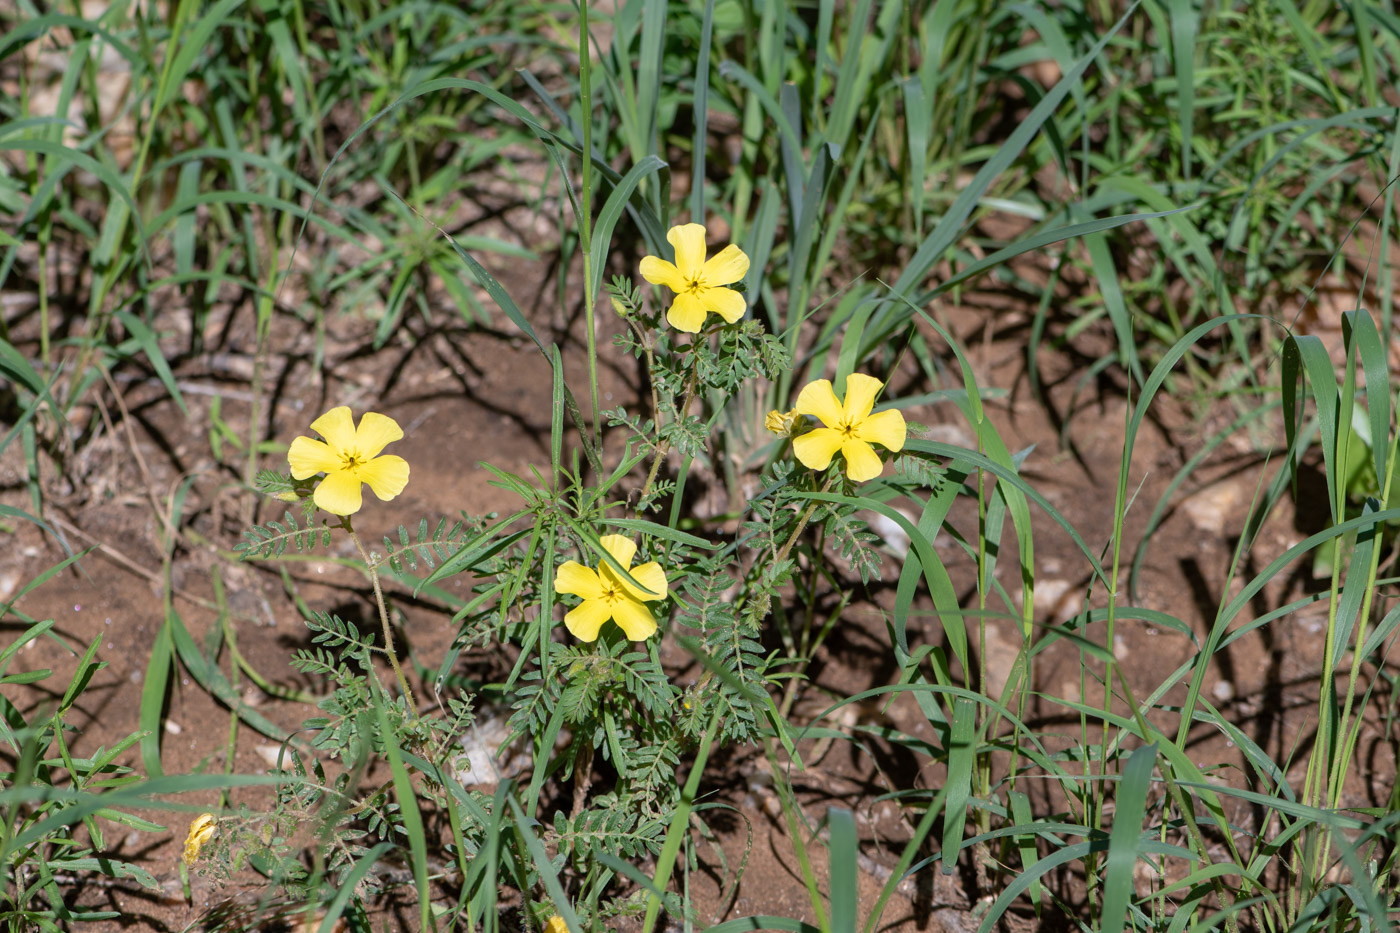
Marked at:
<point>695,285</point>
<point>612,593</point>
<point>847,427</point>
<point>351,460</point>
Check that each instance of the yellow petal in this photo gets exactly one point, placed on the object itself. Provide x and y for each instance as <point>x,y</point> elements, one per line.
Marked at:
<point>862,462</point>
<point>725,302</point>
<point>660,272</point>
<point>585,619</point>
<point>374,433</point>
<point>201,831</point>
<point>636,620</point>
<point>339,493</point>
<point>860,395</point>
<point>816,449</point>
<point>818,400</point>
<point>727,266</point>
<point>337,427</point>
<point>387,476</point>
<point>621,547</point>
<point>556,924</point>
<point>687,314</point>
<point>307,457</point>
<point>689,241</point>
<point>886,428</point>
<point>577,580</point>
<point>651,576</point>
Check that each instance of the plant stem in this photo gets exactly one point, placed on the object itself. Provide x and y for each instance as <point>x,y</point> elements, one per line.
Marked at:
<point>585,100</point>
<point>664,447</point>
<point>802,522</point>
<point>383,615</point>
<point>645,343</point>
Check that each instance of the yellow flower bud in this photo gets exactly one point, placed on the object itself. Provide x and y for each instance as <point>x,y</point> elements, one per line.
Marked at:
<point>785,423</point>
<point>621,310</point>
<point>556,923</point>
<point>201,831</point>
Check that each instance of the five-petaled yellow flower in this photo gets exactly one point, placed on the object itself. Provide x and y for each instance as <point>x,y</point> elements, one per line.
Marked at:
<point>850,428</point>
<point>608,595</point>
<point>699,285</point>
<point>201,831</point>
<point>349,457</point>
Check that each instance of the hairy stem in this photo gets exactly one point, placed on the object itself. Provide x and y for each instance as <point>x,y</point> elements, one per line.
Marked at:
<point>664,447</point>
<point>383,616</point>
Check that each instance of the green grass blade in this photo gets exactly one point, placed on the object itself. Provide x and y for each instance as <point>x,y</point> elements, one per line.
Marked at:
<point>843,889</point>
<point>700,108</point>
<point>962,755</point>
<point>146,339</point>
<point>612,210</point>
<point>409,812</point>
<point>1130,807</point>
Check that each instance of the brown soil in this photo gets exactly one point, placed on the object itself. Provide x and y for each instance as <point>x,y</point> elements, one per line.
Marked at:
<point>467,394</point>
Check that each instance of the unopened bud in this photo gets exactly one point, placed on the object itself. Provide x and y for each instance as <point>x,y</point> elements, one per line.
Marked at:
<point>785,423</point>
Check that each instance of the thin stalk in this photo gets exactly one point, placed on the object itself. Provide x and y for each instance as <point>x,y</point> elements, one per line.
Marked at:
<point>46,366</point>
<point>664,447</point>
<point>1120,508</point>
<point>585,96</point>
<point>383,615</point>
<point>1339,761</point>
<point>981,855</point>
<point>802,522</point>
<point>240,663</point>
<point>1316,786</point>
<point>644,340</point>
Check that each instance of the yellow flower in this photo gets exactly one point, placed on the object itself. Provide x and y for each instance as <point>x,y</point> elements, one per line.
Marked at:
<point>850,428</point>
<point>785,423</point>
<point>699,285</point>
<point>556,924</point>
<point>607,595</point>
<point>201,831</point>
<point>349,456</point>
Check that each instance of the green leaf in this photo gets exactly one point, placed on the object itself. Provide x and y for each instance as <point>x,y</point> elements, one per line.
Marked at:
<point>146,339</point>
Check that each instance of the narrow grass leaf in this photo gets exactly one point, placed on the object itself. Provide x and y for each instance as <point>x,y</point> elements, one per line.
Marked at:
<point>612,209</point>
<point>700,109</point>
<point>843,889</point>
<point>1130,807</point>
<point>752,924</point>
<point>962,754</point>
<point>348,883</point>
<point>146,339</point>
<point>152,710</point>
<point>409,812</point>
<point>545,867</point>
